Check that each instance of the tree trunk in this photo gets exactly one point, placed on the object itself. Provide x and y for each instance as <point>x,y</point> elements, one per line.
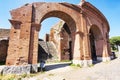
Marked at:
<point>119,49</point>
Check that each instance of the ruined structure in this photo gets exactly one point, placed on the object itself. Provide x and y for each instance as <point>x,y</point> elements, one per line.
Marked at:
<point>4,38</point>
<point>87,33</point>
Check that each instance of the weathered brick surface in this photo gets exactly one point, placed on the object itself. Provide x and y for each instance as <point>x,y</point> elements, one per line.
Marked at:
<point>3,50</point>
<point>4,33</point>
<point>80,19</point>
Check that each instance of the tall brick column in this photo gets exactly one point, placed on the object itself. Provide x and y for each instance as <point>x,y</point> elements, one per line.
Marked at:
<point>33,51</point>
<point>86,52</point>
<point>14,48</point>
<point>77,53</point>
<point>106,49</point>
<point>86,42</point>
<point>105,56</point>
<point>18,50</point>
<point>60,47</point>
<point>24,43</point>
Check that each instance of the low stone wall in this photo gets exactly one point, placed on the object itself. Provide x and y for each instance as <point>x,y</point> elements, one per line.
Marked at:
<point>17,69</point>
<point>22,69</point>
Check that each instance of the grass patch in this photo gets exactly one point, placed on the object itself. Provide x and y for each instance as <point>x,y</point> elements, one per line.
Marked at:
<point>32,75</point>
<point>51,74</point>
<point>57,61</point>
<point>65,61</point>
<point>106,62</point>
<point>8,77</point>
<point>91,65</point>
<point>15,77</point>
<point>73,65</point>
<point>24,75</point>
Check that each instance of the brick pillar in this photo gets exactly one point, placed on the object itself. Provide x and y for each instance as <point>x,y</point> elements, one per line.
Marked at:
<point>25,31</point>
<point>108,46</point>
<point>86,42</point>
<point>33,51</point>
<point>13,49</point>
<point>77,52</point>
<point>86,50</point>
<point>60,48</point>
<point>105,56</point>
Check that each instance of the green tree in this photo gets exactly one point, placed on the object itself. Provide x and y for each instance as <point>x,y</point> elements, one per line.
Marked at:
<point>115,43</point>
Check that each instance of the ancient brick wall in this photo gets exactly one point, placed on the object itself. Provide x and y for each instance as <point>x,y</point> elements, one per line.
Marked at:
<point>4,36</point>
<point>26,24</point>
<point>3,50</point>
<point>65,45</point>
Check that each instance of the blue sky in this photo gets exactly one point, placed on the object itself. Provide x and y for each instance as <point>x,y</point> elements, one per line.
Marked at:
<point>110,8</point>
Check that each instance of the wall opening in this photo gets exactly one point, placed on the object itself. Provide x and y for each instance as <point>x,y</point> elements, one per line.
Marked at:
<point>55,43</point>
<point>93,47</point>
<point>96,44</point>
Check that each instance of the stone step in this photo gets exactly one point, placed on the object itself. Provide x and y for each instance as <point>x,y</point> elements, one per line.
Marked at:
<point>51,48</point>
<point>47,51</point>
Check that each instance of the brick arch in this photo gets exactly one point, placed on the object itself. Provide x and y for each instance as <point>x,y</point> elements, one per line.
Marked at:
<point>94,16</point>
<point>26,24</point>
<point>68,20</point>
<point>96,42</point>
<point>64,11</point>
<point>96,32</point>
<point>64,16</point>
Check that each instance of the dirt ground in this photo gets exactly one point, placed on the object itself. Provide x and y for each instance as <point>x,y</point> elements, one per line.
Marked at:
<point>63,71</point>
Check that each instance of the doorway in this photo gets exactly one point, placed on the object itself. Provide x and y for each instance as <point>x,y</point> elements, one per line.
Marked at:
<point>93,47</point>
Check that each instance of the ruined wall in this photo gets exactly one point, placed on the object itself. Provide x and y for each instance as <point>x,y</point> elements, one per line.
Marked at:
<point>65,45</point>
<point>99,49</point>
<point>4,35</point>
<point>26,24</point>
<point>59,35</point>
<point>18,50</point>
<point>3,50</point>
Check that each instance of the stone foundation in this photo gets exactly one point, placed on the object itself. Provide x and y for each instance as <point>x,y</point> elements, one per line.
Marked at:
<point>87,63</point>
<point>23,69</point>
<point>34,68</point>
<point>105,59</point>
<point>82,63</point>
<point>78,62</point>
<point>1,69</point>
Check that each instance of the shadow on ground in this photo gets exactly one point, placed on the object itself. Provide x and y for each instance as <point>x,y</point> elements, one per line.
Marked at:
<point>55,66</point>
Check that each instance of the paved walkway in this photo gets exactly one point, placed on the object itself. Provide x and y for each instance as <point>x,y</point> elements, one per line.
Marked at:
<point>101,71</point>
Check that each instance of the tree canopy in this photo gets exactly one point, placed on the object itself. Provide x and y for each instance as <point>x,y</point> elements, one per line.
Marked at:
<point>115,42</point>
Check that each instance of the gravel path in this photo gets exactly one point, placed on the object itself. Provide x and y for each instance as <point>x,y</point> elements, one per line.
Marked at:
<point>101,71</point>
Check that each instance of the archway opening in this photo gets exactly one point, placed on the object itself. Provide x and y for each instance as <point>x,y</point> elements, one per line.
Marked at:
<point>57,43</point>
<point>96,44</point>
<point>3,50</point>
<point>59,40</point>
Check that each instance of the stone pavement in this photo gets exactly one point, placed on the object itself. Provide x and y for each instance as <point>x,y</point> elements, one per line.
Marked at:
<point>101,71</point>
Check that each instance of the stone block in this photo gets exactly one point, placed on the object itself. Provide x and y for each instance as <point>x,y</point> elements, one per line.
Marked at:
<point>23,69</point>
<point>34,68</point>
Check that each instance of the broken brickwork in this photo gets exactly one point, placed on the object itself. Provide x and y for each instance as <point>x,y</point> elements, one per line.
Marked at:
<point>87,27</point>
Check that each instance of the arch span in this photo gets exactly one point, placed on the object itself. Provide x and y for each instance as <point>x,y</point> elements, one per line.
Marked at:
<point>96,39</point>
<point>63,11</point>
<point>26,24</point>
<point>64,16</point>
